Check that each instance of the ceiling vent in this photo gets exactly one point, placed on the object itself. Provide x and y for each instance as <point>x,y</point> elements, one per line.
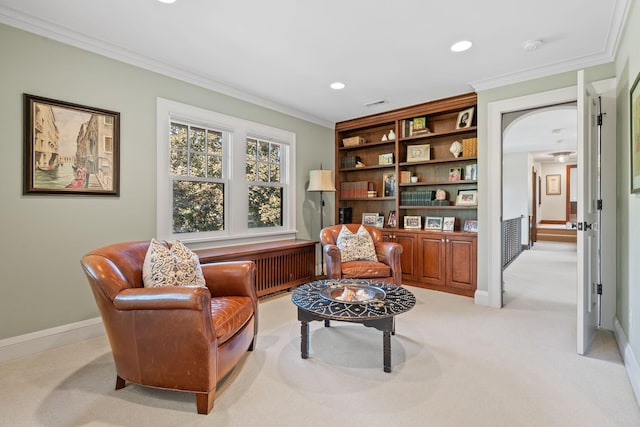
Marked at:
<point>374,103</point>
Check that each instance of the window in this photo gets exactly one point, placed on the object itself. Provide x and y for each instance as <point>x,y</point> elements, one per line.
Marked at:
<point>221,177</point>
<point>265,189</point>
<point>196,158</point>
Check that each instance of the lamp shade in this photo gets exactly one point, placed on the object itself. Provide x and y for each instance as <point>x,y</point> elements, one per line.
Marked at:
<point>321,180</point>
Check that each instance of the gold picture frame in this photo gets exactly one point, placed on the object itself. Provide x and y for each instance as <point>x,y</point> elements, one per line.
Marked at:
<point>553,185</point>
<point>370,218</point>
<point>412,222</point>
<point>389,184</point>
<point>467,198</point>
<point>418,153</point>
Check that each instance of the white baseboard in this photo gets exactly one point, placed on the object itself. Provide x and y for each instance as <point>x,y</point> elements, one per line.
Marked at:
<point>481,297</point>
<point>35,342</point>
<point>629,359</point>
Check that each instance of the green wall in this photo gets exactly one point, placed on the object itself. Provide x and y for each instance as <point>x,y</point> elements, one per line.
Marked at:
<point>625,68</point>
<point>627,65</point>
<point>45,236</point>
<point>485,97</point>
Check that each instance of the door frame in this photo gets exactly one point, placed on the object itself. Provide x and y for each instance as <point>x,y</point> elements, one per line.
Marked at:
<point>490,219</point>
<point>493,295</point>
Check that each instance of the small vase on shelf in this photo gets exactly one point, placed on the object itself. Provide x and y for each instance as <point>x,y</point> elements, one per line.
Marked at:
<point>392,135</point>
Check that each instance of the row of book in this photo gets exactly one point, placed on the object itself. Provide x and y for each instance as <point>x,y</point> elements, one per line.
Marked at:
<point>414,127</point>
<point>421,198</point>
<point>355,189</point>
<point>349,161</point>
<point>470,147</point>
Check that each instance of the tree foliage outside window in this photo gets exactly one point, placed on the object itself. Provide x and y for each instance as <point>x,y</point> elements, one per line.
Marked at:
<point>265,188</point>
<point>196,168</point>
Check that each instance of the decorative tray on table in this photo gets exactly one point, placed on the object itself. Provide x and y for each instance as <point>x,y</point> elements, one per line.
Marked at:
<point>353,293</point>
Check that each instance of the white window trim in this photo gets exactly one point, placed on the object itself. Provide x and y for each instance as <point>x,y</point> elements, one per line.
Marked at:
<point>236,205</point>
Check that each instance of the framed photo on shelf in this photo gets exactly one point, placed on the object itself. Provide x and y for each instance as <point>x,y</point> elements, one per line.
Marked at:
<point>449,223</point>
<point>412,222</point>
<point>370,218</point>
<point>380,221</point>
<point>418,153</point>
<point>634,120</point>
<point>471,225</point>
<point>465,117</point>
<point>70,148</point>
<point>433,223</point>
<point>553,185</point>
<point>385,159</point>
<point>392,221</point>
<point>467,198</point>
<point>455,174</point>
<point>419,123</point>
<point>471,172</point>
<point>389,184</point>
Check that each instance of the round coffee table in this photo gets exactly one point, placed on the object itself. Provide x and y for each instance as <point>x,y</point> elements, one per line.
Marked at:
<point>316,301</point>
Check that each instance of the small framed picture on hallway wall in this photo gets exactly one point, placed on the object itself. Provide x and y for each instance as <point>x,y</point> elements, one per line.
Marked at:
<point>553,185</point>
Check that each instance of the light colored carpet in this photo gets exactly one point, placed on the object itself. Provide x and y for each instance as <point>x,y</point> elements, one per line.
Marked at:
<point>454,364</point>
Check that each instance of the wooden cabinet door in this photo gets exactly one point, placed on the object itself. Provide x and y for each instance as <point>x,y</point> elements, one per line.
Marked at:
<point>408,241</point>
<point>432,259</point>
<point>409,251</point>
<point>461,262</point>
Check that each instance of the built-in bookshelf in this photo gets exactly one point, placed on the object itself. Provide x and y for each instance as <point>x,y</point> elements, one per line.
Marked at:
<point>418,161</point>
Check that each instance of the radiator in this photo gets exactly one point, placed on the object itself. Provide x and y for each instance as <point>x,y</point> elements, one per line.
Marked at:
<point>279,265</point>
<point>277,271</point>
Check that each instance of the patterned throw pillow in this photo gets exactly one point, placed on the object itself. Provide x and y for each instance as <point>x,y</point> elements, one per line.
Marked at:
<point>357,246</point>
<point>178,266</point>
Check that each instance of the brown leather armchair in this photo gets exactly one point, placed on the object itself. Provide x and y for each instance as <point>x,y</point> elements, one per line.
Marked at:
<point>180,338</point>
<point>387,269</point>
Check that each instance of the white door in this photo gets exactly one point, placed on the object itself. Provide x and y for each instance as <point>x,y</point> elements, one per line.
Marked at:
<point>588,171</point>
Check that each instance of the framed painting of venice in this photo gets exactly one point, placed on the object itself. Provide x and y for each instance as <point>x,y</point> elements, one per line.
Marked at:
<point>70,148</point>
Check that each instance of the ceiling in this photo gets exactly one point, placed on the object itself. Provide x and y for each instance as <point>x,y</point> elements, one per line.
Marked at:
<point>283,54</point>
<point>542,132</point>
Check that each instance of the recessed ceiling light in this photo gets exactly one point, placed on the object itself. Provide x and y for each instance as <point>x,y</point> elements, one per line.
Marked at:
<point>167,1</point>
<point>337,85</point>
<point>461,46</point>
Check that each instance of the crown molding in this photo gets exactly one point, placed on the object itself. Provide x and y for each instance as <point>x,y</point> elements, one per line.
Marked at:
<point>618,20</point>
<point>43,28</point>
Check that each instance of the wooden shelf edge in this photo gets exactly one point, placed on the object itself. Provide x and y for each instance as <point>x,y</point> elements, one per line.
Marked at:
<point>461,208</point>
<point>472,129</point>
<point>425,184</point>
<point>364,199</point>
<point>367,168</point>
<point>427,162</point>
<point>367,145</point>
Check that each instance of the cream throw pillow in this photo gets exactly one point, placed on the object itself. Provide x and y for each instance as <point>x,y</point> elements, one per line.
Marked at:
<point>357,246</point>
<point>178,266</point>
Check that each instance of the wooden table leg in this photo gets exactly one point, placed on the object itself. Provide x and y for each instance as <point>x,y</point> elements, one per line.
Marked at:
<point>304,339</point>
<point>386,350</point>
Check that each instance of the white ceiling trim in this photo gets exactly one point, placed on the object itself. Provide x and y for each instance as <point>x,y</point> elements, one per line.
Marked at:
<point>616,26</point>
<point>545,71</point>
<point>21,21</point>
